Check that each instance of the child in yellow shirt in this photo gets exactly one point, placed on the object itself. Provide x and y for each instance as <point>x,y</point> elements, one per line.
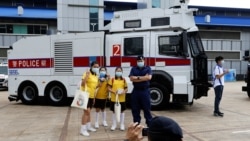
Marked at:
<point>101,97</point>
<point>118,86</point>
<point>90,81</point>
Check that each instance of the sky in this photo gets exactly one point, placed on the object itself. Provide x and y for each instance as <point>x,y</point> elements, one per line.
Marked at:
<point>214,3</point>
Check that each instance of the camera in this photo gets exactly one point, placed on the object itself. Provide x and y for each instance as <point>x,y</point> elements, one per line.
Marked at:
<point>145,132</point>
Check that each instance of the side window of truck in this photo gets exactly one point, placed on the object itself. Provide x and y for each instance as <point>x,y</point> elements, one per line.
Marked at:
<point>169,45</point>
<point>133,46</point>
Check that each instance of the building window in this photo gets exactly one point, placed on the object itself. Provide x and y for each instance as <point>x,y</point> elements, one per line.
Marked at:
<point>5,28</point>
<point>2,28</point>
<point>156,3</point>
<point>169,45</point>
<point>220,35</point>
<point>23,29</point>
<point>93,14</point>
<point>20,29</point>
<point>133,46</point>
<point>37,29</point>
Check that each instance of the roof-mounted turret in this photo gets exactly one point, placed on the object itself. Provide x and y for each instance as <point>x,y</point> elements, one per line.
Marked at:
<point>177,17</point>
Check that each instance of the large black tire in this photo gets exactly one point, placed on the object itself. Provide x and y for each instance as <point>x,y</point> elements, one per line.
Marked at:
<point>160,96</point>
<point>28,93</point>
<point>56,94</point>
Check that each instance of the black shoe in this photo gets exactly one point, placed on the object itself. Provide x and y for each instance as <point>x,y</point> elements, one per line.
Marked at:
<point>216,114</point>
<point>221,113</point>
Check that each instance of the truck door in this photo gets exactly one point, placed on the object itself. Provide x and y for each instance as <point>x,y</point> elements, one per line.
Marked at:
<point>123,48</point>
<point>200,74</point>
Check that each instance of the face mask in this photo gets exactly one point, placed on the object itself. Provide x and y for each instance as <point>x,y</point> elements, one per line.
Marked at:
<point>140,64</point>
<point>222,62</point>
<point>102,73</point>
<point>118,74</point>
<point>95,70</point>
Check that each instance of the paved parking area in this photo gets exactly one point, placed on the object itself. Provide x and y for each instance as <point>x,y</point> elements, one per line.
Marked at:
<point>46,123</point>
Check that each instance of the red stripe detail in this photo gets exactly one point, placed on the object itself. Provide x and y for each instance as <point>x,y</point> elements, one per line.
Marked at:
<point>81,61</point>
<point>85,61</point>
<point>31,63</point>
<point>116,61</point>
<point>100,60</point>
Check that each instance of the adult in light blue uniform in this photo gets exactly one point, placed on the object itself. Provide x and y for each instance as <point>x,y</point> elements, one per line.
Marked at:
<point>141,75</point>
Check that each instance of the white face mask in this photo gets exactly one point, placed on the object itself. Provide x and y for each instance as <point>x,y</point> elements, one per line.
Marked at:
<point>95,70</point>
<point>118,74</point>
<point>222,62</point>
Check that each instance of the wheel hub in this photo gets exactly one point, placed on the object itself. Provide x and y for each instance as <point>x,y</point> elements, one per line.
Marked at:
<point>156,96</point>
<point>56,94</point>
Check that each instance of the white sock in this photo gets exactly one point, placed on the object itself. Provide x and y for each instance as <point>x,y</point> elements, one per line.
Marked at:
<point>83,127</point>
<point>122,118</point>
<point>114,119</point>
<point>97,117</point>
<point>104,116</point>
<point>88,124</point>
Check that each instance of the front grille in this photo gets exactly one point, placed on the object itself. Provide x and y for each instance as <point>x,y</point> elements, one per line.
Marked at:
<point>1,80</point>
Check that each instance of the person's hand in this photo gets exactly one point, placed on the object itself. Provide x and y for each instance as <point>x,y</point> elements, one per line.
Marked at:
<point>123,92</point>
<point>108,76</point>
<point>134,132</point>
<point>134,77</point>
<point>120,91</point>
<point>226,71</point>
<point>87,73</point>
<point>102,79</point>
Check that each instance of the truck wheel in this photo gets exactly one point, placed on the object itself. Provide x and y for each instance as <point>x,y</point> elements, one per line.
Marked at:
<point>57,95</point>
<point>28,94</point>
<point>159,95</point>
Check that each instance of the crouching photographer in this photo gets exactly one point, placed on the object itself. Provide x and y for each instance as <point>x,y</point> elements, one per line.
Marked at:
<point>160,129</point>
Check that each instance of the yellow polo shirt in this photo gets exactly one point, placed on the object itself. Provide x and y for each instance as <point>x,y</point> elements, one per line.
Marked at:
<point>118,84</point>
<point>102,92</point>
<point>91,83</point>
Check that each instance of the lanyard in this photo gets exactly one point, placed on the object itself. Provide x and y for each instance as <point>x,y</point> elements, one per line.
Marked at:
<point>219,73</point>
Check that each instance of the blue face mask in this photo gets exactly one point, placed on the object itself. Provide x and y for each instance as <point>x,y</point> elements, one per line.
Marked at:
<point>102,74</point>
<point>140,64</point>
<point>95,70</point>
<point>118,74</point>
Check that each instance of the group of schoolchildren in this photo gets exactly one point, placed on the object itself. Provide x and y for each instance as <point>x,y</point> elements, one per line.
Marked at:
<point>100,86</point>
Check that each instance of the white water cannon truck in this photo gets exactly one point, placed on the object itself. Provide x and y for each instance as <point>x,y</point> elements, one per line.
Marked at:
<point>51,66</point>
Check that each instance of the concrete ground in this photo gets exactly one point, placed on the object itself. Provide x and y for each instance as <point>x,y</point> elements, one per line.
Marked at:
<point>46,123</point>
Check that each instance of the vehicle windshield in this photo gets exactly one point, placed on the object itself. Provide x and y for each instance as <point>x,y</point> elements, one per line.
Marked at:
<point>4,70</point>
<point>195,43</point>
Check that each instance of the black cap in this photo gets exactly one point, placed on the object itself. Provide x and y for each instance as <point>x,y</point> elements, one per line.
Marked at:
<point>140,57</point>
<point>163,126</point>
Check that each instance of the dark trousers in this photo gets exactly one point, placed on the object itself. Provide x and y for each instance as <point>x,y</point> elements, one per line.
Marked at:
<point>140,99</point>
<point>218,95</point>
